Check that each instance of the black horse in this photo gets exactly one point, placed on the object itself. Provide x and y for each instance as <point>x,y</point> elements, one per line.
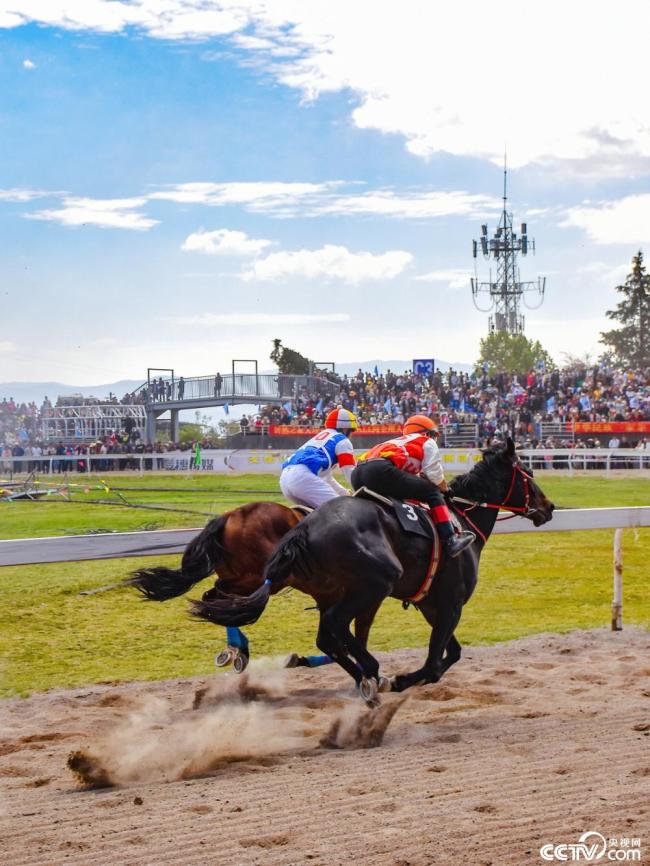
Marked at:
<point>354,550</point>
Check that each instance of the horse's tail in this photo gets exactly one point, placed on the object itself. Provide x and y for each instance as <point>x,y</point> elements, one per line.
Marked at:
<point>200,558</point>
<point>238,610</point>
<point>289,556</point>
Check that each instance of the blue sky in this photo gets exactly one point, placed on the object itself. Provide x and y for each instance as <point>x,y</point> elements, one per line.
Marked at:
<point>182,181</point>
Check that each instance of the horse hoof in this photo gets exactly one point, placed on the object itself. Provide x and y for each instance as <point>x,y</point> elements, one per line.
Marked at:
<point>385,685</point>
<point>223,659</point>
<point>240,662</point>
<point>368,689</point>
<point>293,661</point>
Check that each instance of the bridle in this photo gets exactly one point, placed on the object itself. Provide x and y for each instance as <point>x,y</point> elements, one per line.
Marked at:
<point>517,510</point>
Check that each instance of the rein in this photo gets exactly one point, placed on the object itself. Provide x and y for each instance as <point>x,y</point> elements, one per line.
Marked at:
<point>517,510</point>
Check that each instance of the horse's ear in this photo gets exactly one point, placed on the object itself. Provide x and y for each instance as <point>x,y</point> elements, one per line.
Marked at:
<point>510,448</point>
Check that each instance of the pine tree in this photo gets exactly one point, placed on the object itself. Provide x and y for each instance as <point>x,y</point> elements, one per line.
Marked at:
<point>630,343</point>
<point>290,361</point>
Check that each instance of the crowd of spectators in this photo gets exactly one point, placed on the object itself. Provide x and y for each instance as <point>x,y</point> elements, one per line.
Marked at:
<point>62,457</point>
<point>495,405</point>
<point>485,406</point>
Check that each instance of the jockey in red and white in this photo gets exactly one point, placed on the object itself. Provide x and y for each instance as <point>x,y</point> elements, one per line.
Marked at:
<point>409,467</point>
<point>306,476</point>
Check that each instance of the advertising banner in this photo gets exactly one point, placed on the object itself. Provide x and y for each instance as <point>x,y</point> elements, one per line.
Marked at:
<point>261,462</point>
<point>610,427</point>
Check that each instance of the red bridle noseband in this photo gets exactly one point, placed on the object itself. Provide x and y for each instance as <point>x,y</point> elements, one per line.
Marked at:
<point>516,509</point>
<point>524,509</point>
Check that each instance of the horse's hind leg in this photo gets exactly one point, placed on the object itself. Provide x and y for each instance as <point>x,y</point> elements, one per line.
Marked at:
<point>328,643</point>
<point>236,652</point>
<point>363,621</point>
<point>336,622</point>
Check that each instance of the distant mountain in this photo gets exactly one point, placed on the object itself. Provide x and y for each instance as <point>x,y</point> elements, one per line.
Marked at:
<point>27,392</point>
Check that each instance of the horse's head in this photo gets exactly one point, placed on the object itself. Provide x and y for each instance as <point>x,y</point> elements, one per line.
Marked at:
<point>523,495</point>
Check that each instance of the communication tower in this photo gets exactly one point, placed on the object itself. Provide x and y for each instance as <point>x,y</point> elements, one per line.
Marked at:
<point>504,296</point>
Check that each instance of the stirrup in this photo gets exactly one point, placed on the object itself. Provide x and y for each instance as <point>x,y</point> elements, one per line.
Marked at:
<point>455,545</point>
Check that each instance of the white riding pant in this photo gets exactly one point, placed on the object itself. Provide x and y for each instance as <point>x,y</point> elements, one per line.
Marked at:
<point>299,484</point>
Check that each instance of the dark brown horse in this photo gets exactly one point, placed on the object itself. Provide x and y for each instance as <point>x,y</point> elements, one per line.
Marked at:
<point>351,554</point>
<point>236,545</point>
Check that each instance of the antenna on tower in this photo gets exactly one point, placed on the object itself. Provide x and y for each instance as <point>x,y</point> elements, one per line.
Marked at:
<point>505,296</point>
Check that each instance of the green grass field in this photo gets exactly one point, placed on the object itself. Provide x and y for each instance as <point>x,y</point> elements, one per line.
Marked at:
<point>52,636</point>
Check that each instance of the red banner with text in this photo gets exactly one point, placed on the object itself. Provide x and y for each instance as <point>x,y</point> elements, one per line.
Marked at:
<point>610,427</point>
<point>367,429</point>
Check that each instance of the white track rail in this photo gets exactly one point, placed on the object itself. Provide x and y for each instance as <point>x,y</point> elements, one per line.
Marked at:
<point>122,545</point>
<point>118,545</point>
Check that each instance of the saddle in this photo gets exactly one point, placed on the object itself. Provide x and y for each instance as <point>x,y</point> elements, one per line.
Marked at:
<point>415,518</point>
<point>302,510</point>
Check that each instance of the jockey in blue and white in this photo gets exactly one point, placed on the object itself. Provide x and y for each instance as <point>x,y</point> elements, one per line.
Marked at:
<point>306,477</point>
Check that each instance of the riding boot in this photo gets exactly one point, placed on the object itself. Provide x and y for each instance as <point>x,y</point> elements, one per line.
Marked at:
<point>452,543</point>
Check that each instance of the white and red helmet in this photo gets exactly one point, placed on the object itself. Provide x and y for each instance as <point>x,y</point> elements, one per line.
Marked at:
<point>341,419</point>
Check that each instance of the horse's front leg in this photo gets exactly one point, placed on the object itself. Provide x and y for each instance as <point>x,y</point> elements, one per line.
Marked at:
<point>443,621</point>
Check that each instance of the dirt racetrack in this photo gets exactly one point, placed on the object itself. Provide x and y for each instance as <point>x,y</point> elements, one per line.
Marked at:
<point>524,743</point>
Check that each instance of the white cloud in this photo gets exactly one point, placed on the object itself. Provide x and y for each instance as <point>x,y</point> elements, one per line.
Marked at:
<point>23,194</point>
<point>625,221</point>
<point>118,213</point>
<point>434,88</point>
<point>246,319</point>
<point>426,205</point>
<point>257,196</point>
<point>326,199</point>
<point>28,64</point>
<point>331,261</point>
<point>166,19</point>
<point>456,278</point>
<point>7,346</point>
<point>224,242</point>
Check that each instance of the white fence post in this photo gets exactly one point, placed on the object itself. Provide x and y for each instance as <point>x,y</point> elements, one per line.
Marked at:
<point>617,602</point>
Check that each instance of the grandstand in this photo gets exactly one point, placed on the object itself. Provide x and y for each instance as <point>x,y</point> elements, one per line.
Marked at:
<point>569,408</point>
<point>91,421</point>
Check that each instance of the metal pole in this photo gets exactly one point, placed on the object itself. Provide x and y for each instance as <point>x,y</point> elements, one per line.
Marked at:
<point>617,602</point>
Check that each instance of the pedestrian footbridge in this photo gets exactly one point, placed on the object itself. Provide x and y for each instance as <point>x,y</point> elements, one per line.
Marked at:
<point>175,394</point>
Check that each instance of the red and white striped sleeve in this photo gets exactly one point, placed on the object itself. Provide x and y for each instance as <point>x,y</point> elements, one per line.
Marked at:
<point>345,457</point>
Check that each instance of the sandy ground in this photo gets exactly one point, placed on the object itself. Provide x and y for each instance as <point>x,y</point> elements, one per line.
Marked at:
<point>524,743</point>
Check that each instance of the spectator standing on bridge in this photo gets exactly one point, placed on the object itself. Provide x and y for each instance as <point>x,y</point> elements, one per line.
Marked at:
<point>181,388</point>
<point>306,476</point>
<point>218,382</point>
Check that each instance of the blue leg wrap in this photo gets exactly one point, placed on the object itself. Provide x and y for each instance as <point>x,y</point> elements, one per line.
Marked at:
<point>318,661</point>
<point>235,637</point>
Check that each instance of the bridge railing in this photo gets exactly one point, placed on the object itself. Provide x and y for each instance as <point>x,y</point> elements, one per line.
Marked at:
<point>256,386</point>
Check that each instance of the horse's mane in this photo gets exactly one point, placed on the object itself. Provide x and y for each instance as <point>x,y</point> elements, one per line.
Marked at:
<point>482,482</point>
